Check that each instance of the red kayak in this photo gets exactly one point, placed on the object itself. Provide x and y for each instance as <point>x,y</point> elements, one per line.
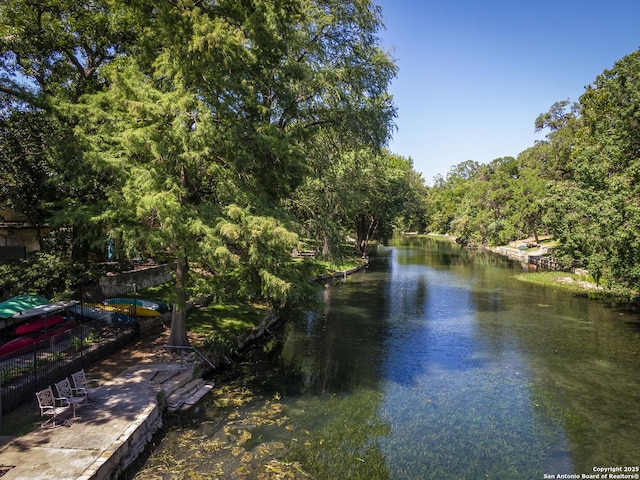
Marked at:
<point>35,339</point>
<point>17,344</point>
<point>41,323</point>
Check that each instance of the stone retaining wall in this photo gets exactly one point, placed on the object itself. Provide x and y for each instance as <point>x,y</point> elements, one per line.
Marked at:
<point>342,274</point>
<point>132,444</point>
<point>141,278</point>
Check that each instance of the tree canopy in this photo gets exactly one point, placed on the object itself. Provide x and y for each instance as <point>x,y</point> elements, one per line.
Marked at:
<point>196,130</point>
<point>579,185</point>
<point>224,135</point>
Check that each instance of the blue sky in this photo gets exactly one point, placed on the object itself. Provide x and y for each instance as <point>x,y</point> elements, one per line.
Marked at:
<point>474,75</point>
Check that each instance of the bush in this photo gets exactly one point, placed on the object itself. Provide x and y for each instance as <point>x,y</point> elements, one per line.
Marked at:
<point>219,347</point>
<point>45,274</point>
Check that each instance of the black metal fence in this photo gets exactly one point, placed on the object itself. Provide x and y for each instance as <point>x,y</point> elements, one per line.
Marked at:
<point>98,331</point>
<point>34,367</point>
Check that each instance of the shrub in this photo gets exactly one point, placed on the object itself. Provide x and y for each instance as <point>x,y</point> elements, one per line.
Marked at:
<point>45,274</point>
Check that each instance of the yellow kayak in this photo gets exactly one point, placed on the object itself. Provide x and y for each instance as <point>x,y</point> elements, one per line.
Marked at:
<point>136,310</point>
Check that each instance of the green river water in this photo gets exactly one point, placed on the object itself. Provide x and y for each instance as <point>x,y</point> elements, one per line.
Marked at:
<point>434,363</point>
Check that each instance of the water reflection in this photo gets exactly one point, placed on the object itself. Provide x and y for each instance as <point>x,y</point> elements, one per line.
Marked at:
<point>434,363</point>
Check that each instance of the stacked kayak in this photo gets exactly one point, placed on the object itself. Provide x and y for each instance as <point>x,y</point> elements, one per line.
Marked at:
<point>141,307</point>
<point>41,323</point>
<point>36,338</point>
<point>88,312</point>
<point>18,304</point>
<point>9,308</point>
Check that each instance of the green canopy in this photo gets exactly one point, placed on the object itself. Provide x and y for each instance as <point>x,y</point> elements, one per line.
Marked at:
<point>19,304</point>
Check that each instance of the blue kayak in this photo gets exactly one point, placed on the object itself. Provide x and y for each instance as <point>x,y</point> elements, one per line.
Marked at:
<point>92,312</point>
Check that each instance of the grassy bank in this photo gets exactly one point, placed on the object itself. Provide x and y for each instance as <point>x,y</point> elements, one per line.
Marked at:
<point>565,281</point>
<point>234,320</point>
<point>581,285</point>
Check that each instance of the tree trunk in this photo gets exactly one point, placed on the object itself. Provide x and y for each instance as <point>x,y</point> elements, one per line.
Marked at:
<point>326,246</point>
<point>178,335</point>
<point>365,229</point>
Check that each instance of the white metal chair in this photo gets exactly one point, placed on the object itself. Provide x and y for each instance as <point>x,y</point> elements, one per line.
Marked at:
<point>51,406</point>
<point>82,385</point>
<point>65,391</point>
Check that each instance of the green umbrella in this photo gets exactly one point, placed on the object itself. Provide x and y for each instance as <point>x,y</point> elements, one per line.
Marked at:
<point>19,304</point>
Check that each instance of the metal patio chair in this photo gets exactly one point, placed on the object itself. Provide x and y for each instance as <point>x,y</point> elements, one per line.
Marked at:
<point>65,391</point>
<point>51,406</point>
<point>82,385</point>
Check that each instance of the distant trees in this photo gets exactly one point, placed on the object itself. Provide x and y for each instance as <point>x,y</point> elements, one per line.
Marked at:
<point>359,192</point>
<point>580,184</point>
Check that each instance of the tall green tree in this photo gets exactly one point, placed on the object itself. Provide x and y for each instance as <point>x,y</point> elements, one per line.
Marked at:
<point>484,213</point>
<point>382,187</point>
<point>360,195</point>
<point>552,156</point>
<point>26,176</point>
<point>51,52</point>
<point>207,128</point>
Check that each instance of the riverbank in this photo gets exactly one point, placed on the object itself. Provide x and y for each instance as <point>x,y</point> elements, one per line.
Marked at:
<point>146,352</point>
<point>577,282</point>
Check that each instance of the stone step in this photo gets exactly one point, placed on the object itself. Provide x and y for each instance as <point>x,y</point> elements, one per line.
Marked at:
<point>178,396</point>
<point>161,377</point>
<point>175,381</point>
<point>197,396</point>
<point>189,396</point>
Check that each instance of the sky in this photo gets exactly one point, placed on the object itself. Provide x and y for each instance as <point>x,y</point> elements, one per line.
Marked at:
<point>474,74</point>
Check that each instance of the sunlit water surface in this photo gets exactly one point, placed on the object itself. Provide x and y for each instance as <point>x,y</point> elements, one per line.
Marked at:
<point>434,363</point>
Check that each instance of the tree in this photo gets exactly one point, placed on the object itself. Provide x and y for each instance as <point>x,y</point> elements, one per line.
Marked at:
<point>359,194</point>
<point>28,177</point>
<point>53,49</point>
<point>382,186</point>
<point>206,128</point>
<point>599,215</point>
<point>51,52</point>
<point>552,157</point>
<point>414,218</point>
<point>447,195</point>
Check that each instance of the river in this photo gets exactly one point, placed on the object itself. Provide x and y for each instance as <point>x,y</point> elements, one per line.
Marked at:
<point>434,363</point>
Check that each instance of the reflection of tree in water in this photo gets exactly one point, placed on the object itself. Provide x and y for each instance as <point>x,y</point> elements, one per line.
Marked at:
<point>346,342</point>
<point>441,253</point>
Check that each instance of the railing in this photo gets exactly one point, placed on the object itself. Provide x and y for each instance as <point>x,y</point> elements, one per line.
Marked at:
<point>195,350</point>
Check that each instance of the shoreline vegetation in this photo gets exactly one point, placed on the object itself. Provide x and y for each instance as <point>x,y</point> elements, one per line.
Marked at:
<point>577,283</point>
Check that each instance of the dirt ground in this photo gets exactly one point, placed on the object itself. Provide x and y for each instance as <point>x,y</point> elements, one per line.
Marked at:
<point>148,348</point>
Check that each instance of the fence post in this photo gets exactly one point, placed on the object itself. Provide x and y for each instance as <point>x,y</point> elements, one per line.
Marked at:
<point>35,367</point>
